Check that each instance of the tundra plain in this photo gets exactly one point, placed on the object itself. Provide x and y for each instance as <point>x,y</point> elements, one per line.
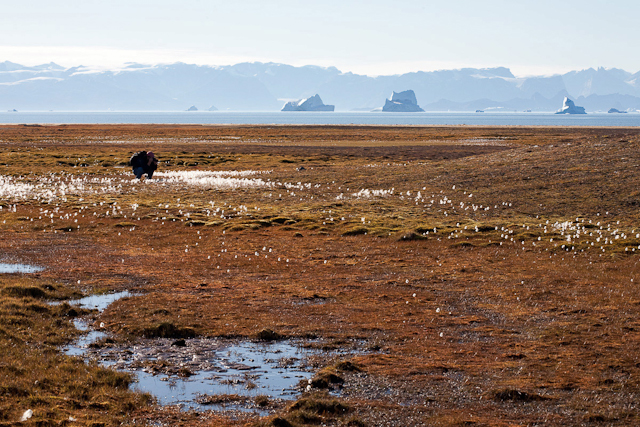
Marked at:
<point>469,276</point>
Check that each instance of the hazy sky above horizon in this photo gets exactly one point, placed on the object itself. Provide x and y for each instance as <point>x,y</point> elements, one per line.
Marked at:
<point>374,37</point>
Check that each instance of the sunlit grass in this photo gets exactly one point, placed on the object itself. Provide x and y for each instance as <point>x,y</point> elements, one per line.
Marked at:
<point>35,376</point>
<point>472,275</point>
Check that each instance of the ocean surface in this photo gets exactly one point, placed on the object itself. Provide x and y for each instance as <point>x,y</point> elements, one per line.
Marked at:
<point>324,118</point>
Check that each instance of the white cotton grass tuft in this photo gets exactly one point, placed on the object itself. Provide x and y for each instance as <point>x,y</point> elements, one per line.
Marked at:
<point>10,188</point>
<point>214,179</point>
<point>50,187</point>
<point>26,415</point>
<point>365,193</point>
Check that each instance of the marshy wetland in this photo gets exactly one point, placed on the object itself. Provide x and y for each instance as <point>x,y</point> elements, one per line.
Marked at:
<point>408,276</point>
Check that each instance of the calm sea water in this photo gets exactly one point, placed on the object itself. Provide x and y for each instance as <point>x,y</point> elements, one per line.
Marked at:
<point>326,118</point>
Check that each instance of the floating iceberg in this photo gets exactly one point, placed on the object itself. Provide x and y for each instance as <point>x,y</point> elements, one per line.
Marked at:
<point>313,103</point>
<point>402,102</point>
<point>568,107</point>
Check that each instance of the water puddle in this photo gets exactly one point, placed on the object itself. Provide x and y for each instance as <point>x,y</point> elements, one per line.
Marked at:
<point>96,302</point>
<point>189,372</point>
<point>99,301</point>
<point>6,268</point>
<point>204,367</point>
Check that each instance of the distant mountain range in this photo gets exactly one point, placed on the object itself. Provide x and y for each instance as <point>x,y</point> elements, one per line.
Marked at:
<point>267,86</point>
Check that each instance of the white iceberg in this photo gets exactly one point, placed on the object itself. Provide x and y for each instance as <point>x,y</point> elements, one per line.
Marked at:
<point>568,107</point>
<point>313,103</point>
<point>402,102</point>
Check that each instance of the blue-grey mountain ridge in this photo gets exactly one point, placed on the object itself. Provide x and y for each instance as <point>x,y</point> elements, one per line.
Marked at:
<point>268,86</point>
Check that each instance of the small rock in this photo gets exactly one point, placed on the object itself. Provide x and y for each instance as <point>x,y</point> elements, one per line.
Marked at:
<point>179,343</point>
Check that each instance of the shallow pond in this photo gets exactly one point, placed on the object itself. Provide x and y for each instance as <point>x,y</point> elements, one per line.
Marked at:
<point>6,268</point>
<point>99,301</point>
<point>214,367</point>
<point>182,372</point>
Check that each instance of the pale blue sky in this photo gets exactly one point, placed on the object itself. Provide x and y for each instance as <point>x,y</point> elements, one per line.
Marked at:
<point>370,36</point>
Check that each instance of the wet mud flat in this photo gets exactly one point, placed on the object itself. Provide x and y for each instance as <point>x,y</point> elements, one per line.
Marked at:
<point>444,275</point>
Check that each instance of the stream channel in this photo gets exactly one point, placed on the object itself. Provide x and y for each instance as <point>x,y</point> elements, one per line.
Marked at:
<point>189,372</point>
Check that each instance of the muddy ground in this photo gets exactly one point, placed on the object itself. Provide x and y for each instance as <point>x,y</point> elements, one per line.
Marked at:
<point>468,275</point>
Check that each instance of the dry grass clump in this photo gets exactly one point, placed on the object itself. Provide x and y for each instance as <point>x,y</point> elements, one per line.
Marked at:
<point>268,335</point>
<point>325,379</point>
<point>168,330</point>
<point>312,409</point>
<point>355,231</point>
<point>348,366</point>
<point>221,399</point>
<point>24,291</point>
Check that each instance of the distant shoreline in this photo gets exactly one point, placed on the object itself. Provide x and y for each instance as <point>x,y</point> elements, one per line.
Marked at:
<point>520,119</point>
<point>133,126</point>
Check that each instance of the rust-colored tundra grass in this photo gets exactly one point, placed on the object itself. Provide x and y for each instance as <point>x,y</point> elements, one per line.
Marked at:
<point>469,275</point>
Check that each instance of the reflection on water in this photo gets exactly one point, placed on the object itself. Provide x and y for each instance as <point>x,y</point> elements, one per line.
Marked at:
<point>95,302</point>
<point>79,347</point>
<point>99,302</point>
<point>246,369</point>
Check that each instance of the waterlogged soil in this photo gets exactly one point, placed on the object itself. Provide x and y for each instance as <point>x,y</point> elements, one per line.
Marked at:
<point>96,304</point>
<point>187,372</point>
<point>443,275</point>
<point>184,373</point>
